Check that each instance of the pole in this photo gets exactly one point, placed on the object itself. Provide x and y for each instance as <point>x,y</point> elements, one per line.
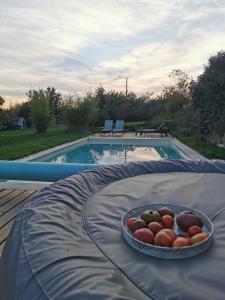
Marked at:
<point>126,86</point>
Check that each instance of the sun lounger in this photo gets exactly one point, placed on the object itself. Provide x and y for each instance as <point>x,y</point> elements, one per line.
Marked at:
<point>108,127</point>
<point>162,129</point>
<point>119,127</point>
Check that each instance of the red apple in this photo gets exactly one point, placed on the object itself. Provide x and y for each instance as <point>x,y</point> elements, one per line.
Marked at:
<point>145,235</point>
<point>167,221</point>
<point>180,242</point>
<point>193,230</point>
<point>155,227</point>
<point>165,237</point>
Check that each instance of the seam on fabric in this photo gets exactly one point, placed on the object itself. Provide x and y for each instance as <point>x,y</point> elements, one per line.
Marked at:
<point>218,213</point>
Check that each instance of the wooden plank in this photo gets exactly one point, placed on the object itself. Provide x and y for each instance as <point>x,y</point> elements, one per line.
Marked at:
<point>5,192</point>
<point>5,231</point>
<point>10,215</point>
<point>1,248</point>
<point>10,204</point>
<point>10,196</point>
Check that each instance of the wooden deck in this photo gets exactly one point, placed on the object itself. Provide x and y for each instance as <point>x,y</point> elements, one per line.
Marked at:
<point>11,202</point>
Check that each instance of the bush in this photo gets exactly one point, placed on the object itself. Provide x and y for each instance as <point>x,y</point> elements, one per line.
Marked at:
<point>175,103</point>
<point>40,111</point>
<point>80,114</point>
<point>208,96</point>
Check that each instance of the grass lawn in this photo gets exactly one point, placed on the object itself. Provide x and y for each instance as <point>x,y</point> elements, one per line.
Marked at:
<point>16,144</point>
<point>208,150</point>
<point>139,124</point>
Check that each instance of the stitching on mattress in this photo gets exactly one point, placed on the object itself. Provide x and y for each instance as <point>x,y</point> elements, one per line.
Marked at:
<point>218,213</point>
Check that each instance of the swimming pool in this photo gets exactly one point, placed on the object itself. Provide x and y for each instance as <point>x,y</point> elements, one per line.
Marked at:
<point>93,152</point>
<point>108,153</point>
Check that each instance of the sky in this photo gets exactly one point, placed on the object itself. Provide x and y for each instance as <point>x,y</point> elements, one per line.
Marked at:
<point>77,45</point>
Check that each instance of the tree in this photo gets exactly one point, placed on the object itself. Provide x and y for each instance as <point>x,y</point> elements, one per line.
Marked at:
<point>24,110</point>
<point>3,115</point>
<point>208,96</point>
<point>101,97</point>
<point>2,101</point>
<point>55,99</point>
<point>177,95</point>
<point>101,100</point>
<point>80,113</point>
<point>115,105</point>
<point>40,110</point>
<point>181,82</point>
<point>4,119</point>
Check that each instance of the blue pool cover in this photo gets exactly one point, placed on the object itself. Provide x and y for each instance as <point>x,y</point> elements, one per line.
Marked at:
<point>66,244</point>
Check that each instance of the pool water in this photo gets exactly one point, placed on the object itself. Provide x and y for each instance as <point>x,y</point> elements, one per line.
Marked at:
<point>111,154</point>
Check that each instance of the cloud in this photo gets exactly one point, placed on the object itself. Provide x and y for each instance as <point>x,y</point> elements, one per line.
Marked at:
<point>74,45</point>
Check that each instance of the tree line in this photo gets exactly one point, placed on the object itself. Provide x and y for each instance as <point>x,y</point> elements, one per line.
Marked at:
<point>200,102</point>
<point>48,107</point>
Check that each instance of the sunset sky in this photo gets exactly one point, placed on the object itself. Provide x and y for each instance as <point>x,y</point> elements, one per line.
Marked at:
<point>78,45</point>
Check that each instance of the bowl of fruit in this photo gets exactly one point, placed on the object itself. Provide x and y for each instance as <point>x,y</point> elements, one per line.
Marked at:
<point>167,231</point>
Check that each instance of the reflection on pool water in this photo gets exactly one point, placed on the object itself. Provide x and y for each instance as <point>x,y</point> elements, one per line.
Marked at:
<point>111,154</point>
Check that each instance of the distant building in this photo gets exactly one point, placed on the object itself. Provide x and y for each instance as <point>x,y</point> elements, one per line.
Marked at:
<point>19,123</point>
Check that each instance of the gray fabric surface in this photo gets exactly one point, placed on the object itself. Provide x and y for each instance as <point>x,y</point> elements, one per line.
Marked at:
<point>67,244</point>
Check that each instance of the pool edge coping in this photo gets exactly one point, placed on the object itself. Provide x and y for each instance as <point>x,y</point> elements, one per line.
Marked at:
<point>186,150</point>
<point>53,149</point>
<point>191,153</point>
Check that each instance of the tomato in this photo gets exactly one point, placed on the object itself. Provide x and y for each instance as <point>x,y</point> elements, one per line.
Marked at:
<point>166,211</point>
<point>155,227</point>
<point>165,237</point>
<point>167,221</point>
<point>130,222</point>
<point>151,216</point>
<point>145,235</point>
<point>198,238</point>
<point>180,242</point>
<point>193,230</point>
